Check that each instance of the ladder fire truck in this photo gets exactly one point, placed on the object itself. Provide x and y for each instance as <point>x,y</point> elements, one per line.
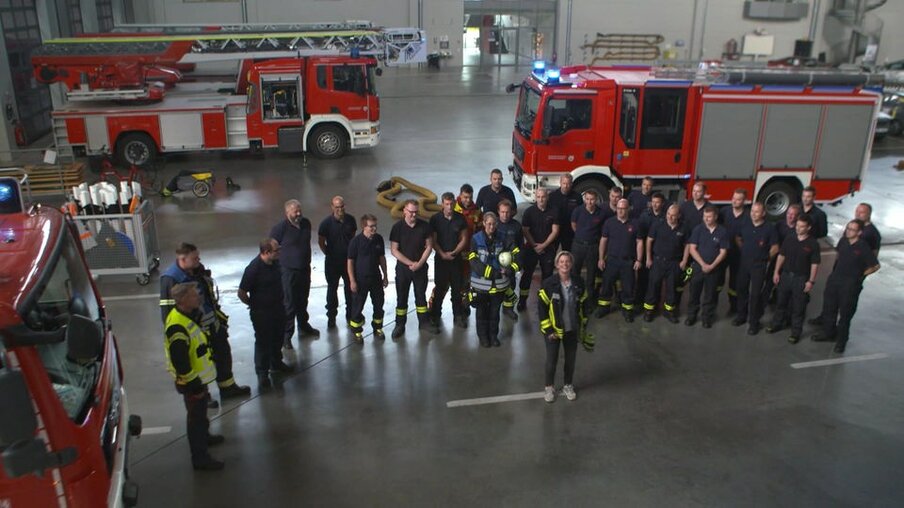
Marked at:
<point>769,132</point>
<point>65,424</point>
<point>295,87</point>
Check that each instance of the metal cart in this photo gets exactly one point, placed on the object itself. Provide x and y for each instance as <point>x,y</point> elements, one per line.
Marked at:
<point>121,244</point>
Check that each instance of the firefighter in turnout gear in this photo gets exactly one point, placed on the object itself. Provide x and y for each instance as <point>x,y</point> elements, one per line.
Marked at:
<point>490,278</point>
<point>188,269</point>
<point>512,231</point>
<point>554,325</point>
<point>189,361</point>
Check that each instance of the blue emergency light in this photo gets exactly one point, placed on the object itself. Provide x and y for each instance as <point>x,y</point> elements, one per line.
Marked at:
<point>553,75</point>
<point>10,196</point>
<point>539,65</point>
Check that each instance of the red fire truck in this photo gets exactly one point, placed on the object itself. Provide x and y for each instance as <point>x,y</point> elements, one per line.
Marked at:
<point>770,132</point>
<point>65,423</point>
<point>297,88</point>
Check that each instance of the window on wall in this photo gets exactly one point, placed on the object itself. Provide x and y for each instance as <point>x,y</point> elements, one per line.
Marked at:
<point>104,15</point>
<point>73,15</point>
<point>22,35</point>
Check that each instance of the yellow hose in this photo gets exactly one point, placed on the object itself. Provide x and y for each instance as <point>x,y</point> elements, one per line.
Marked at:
<point>426,204</point>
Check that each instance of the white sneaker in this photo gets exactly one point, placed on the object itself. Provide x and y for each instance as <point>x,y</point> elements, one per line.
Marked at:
<point>568,390</point>
<point>550,395</point>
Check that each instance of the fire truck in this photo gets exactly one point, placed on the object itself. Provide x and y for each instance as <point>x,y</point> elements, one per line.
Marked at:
<point>769,132</point>
<point>65,424</point>
<point>298,88</point>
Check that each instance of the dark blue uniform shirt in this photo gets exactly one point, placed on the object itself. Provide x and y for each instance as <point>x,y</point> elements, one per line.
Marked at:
<point>263,283</point>
<point>733,223</point>
<point>295,244</point>
<point>639,202</point>
<point>853,259</point>
<point>366,253</point>
<point>488,199</point>
<point>448,231</point>
<point>691,215</point>
<point>709,243</point>
<point>756,241</point>
<point>799,254</point>
<point>565,204</point>
<point>622,239</point>
<point>588,226</point>
<point>668,242</point>
<point>338,234</point>
<point>512,232</point>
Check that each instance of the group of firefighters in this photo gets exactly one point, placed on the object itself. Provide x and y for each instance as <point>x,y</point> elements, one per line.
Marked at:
<point>638,249</point>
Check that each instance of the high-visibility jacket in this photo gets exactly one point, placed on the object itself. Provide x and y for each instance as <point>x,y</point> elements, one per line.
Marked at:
<point>181,327</point>
<point>212,315</point>
<point>551,312</point>
<point>486,273</point>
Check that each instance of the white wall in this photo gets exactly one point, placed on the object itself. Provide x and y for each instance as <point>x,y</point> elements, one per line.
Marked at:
<point>673,19</point>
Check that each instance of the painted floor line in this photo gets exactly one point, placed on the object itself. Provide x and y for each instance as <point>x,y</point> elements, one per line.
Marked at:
<point>131,297</point>
<point>836,361</point>
<point>150,431</point>
<point>494,400</point>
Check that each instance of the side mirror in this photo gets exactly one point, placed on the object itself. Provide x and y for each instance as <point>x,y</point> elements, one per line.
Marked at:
<point>84,339</point>
<point>547,121</point>
<point>511,87</point>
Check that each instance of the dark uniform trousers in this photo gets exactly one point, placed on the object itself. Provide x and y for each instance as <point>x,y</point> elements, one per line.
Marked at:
<point>221,352</point>
<point>791,291</point>
<point>751,283</point>
<point>447,275</point>
<point>703,286</point>
<point>586,255</point>
<point>296,288</point>
<point>404,279</point>
<point>374,288</point>
<point>269,328</point>
<point>530,261</point>
<point>336,271</point>
<point>196,422</point>
<point>618,269</point>
<point>839,305</point>
<point>664,272</point>
<point>566,237</point>
<point>731,272</point>
<point>487,310</point>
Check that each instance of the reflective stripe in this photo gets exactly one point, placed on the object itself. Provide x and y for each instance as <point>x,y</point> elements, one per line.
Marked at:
<point>355,324</point>
<point>732,292</point>
<point>668,307</point>
<point>421,310</point>
<point>648,306</point>
<point>164,303</point>
<point>604,303</point>
<point>472,256</point>
<point>487,272</point>
<point>628,306</point>
<point>524,292</point>
<point>515,267</point>
<point>543,296</point>
<point>516,250</point>
<point>401,311</point>
<point>377,321</point>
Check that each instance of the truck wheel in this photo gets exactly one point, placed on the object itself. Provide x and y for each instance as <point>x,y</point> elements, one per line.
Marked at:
<point>136,148</point>
<point>777,197</point>
<point>328,142</point>
<point>596,185</point>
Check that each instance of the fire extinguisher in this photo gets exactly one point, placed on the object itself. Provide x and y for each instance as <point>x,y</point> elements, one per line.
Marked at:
<point>19,131</point>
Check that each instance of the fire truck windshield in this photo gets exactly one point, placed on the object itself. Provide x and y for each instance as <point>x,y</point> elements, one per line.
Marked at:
<point>68,291</point>
<point>528,104</point>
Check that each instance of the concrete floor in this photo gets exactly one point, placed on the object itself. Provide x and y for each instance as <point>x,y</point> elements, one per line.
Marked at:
<point>666,415</point>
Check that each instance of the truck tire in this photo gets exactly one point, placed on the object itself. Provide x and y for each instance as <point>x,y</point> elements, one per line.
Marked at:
<point>777,197</point>
<point>136,148</point>
<point>599,186</point>
<point>328,142</point>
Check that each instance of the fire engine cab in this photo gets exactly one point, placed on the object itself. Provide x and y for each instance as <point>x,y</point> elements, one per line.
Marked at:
<point>298,88</point>
<point>769,132</point>
<point>65,423</point>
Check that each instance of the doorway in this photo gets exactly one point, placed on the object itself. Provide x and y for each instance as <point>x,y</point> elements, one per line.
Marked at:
<point>515,33</point>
